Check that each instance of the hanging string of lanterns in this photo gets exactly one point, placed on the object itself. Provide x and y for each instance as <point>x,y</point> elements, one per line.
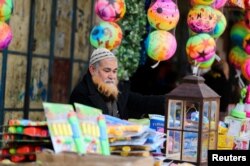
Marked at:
<point>6,7</point>
<point>240,37</point>
<point>163,16</point>
<point>108,33</point>
<point>206,23</point>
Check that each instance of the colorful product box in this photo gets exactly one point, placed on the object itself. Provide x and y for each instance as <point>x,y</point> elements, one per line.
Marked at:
<point>225,141</point>
<point>238,127</point>
<point>241,143</point>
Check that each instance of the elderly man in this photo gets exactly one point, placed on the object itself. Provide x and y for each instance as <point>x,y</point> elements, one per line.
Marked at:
<point>100,88</point>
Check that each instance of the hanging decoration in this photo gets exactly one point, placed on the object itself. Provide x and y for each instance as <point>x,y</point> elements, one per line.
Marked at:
<point>201,47</point>
<point>206,24</point>
<point>201,19</point>
<point>107,35</point>
<point>6,7</point>
<point>5,35</point>
<point>156,46</point>
<point>163,15</point>
<point>110,10</point>
<point>237,56</point>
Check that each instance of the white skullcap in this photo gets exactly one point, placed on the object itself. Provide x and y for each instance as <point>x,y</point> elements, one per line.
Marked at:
<point>100,54</point>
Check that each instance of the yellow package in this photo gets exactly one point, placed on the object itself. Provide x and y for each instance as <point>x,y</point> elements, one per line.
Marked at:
<point>225,141</point>
<point>222,130</point>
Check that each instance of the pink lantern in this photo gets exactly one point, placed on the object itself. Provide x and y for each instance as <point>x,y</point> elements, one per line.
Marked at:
<point>110,10</point>
<point>5,35</point>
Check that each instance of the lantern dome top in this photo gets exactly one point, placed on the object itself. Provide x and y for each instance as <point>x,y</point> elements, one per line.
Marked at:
<point>193,87</point>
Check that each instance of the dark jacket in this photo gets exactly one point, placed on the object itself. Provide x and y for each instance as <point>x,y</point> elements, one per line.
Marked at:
<point>130,104</point>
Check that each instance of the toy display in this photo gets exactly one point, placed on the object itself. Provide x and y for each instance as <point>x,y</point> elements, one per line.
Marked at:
<point>160,45</point>
<point>107,35</point>
<point>94,130</point>
<point>22,139</point>
<point>163,15</point>
<point>201,47</point>
<point>110,10</point>
<point>201,18</point>
<point>82,132</point>
<point>6,7</point>
<point>131,139</point>
<point>5,35</point>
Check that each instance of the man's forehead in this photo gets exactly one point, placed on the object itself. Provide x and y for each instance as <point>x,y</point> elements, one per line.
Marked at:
<point>108,62</point>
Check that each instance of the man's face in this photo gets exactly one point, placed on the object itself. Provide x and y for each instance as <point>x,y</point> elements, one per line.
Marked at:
<point>106,71</point>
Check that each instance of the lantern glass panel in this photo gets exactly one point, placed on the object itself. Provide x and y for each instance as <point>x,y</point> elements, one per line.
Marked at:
<point>190,145</point>
<point>174,145</point>
<point>191,116</point>
<point>212,140</point>
<point>175,114</point>
<point>213,116</point>
<point>205,119</point>
<point>204,147</point>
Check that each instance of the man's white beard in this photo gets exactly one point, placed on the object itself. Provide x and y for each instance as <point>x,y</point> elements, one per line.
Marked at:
<point>108,88</point>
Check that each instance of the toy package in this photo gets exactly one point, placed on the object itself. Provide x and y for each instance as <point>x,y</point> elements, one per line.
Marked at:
<point>83,131</point>
<point>22,138</point>
<point>93,126</point>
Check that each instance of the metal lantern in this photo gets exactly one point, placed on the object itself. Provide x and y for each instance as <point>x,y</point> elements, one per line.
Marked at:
<point>191,121</point>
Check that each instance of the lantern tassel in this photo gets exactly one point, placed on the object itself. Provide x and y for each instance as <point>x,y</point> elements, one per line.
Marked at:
<point>155,65</point>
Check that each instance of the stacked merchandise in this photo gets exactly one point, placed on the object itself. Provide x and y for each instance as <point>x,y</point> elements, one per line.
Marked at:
<point>225,141</point>
<point>239,122</point>
<point>81,131</point>
<point>130,139</point>
<point>22,139</point>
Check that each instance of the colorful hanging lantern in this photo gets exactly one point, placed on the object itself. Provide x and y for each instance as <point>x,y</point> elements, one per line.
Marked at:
<point>237,56</point>
<point>5,35</point>
<point>238,33</point>
<point>163,15</point>
<point>201,47</point>
<point>160,45</point>
<point>106,34</point>
<point>110,10</point>
<point>5,9</point>
<point>201,18</point>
